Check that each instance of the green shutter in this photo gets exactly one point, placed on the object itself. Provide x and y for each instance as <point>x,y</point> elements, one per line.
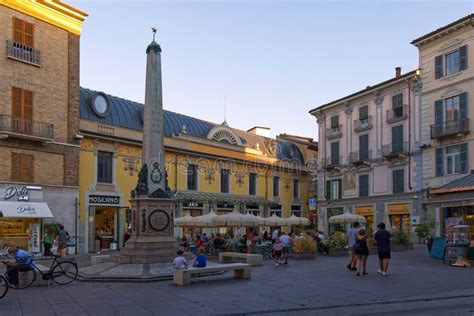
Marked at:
<point>439,112</point>
<point>328,190</point>
<point>339,196</point>
<point>463,106</point>
<point>463,55</point>
<point>364,147</point>
<point>463,158</point>
<point>398,181</point>
<point>364,185</point>
<point>438,66</point>
<point>439,162</point>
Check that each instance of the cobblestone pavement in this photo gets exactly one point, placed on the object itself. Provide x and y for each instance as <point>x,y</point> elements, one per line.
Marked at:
<point>416,285</point>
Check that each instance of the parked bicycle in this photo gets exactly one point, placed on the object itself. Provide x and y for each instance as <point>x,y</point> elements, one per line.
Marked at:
<point>22,275</point>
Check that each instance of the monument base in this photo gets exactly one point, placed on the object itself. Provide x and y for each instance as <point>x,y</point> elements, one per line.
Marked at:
<point>152,239</point>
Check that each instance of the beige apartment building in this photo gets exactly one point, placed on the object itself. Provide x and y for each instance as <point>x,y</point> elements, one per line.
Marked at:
<point>39,118</point>
<point>368,154</point>
<point>446,58</point>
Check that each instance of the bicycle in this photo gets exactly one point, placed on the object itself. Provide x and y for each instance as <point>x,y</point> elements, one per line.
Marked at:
<point>3,286</point>
<point>61,272</point>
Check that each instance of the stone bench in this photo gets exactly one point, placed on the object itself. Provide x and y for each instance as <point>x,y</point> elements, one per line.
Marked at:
<point>249,258</point>
<point>183,277</point>
<point>99,259</point>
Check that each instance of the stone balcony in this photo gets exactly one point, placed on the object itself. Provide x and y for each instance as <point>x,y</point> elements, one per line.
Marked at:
<point>23,53</point>
<point>395,150</point>
<point>334,132</point>
<point>454,128</point>
<point>363,125</point>
<point>397,114</point>
<point>15,127</point>
<point>332,162</point>
<point>360,157</point>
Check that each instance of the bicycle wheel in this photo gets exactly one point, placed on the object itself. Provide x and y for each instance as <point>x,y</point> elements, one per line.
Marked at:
<point>20,276</point>
<point>3,286</point>
<point>64,272</point>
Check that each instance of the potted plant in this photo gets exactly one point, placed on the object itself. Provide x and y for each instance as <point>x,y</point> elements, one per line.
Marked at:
<point>304,249</point>
<point>401,241</point>
<point>337,244</point>
<point>423,231</point>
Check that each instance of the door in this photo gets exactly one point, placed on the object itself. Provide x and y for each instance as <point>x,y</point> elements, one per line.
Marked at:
<point>22,111</point>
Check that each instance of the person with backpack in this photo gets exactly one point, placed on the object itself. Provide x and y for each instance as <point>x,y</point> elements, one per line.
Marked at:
<point>361,252</point>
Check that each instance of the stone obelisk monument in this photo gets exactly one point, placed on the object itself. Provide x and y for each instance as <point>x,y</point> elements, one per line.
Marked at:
<point>152,237</point>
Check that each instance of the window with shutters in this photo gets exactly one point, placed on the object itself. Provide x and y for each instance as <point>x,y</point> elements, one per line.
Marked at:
<point>335,122</point>
<point>451,109</point>
<point>364,147</point>
<point>22,167</point>
<point>397,139</point>
<point>398,181</point>
<point>333,189</point>
<point>22,111</point>
<point>364,185</point>
<point>364,113</point>
<point>453,159</point>
<point>253,184</point>
<point>296,189</point>
<point>397,105</point>
<point>192,177</point>
<point>225,180</point>
<point>104,167</point>
<point>23,32</point>
<point>335,154</point>
<point>276,186</point>
<point>451,63</point>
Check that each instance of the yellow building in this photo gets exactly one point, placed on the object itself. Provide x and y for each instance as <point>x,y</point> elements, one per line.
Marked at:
<point>209,166</point>
<point>39,121</point>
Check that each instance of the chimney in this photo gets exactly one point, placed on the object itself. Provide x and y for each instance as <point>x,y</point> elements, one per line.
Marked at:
<point>398,71</point>
<point>260,130</point>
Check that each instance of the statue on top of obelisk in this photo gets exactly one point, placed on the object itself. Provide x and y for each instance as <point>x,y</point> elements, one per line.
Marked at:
<point>152,178</point>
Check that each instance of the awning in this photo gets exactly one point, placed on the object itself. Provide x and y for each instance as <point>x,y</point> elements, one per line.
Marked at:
<point>25,209</point>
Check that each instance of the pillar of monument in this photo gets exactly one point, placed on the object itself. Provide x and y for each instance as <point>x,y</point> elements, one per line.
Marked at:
<point>152,237</point>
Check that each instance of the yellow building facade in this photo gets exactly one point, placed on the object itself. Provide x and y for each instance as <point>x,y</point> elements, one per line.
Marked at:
<point>209,167</point>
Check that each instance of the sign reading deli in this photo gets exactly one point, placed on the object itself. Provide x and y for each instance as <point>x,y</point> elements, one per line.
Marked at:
<point>104,199</point>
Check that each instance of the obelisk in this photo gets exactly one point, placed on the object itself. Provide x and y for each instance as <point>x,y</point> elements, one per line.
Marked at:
<point>152,237</point>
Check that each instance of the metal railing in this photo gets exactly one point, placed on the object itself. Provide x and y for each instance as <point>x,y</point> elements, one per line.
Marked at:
<point>360,156</point>
<point>395,149</point>
<point>363,124</point>
<point>397,114</point>
<point>450,128</point>
<point>18,125</point>
<point>331,162</point>
<point>24,53</point>
<point>334,132</point>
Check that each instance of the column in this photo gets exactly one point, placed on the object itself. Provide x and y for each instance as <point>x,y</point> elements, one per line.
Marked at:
<point>379,124</point>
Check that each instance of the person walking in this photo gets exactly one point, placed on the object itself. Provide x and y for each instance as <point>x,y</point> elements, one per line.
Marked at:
<point>361,251</point>
<point>351,240</point>
<point>47,242</point>
<point>382,238</point>
<point>63,237</point>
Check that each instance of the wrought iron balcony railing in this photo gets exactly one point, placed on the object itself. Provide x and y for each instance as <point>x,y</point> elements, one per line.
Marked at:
<point>358,157</point>
<point>450,128</point>
<point>363,125</point>
<point>397,114</point>
<point>23,53</point>
<point>334,132</point>
<point>15,125</point>
<point>332,162</point>
<point>395,149</point>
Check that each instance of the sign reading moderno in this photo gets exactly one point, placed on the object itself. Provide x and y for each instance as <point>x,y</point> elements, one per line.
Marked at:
<point>104,199</point>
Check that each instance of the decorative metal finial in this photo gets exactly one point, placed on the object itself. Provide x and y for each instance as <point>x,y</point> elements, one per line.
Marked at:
<point>154,29</point>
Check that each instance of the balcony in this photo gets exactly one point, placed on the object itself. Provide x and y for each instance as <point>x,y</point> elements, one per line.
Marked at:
<point>363,124</point>
<point>23,53</point>
<point>450,128</point>
<point>397,114</point>
<point>334,132</point>
<point>332,162</point>
<point>360,157</point>
<point>395,150</point>
<point>19,128</point>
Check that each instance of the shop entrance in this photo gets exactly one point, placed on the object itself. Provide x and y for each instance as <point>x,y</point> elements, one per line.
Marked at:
<point>104,228</point>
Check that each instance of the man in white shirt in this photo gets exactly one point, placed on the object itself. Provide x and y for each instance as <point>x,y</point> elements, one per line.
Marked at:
<point>275,234</point>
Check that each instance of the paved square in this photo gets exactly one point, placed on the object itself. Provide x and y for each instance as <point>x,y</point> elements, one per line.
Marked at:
<point>416,285</point>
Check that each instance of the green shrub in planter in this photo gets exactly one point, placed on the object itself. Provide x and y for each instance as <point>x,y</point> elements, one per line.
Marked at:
<point>337,240</point>
<point>401,238</point>
<point>304,245</point>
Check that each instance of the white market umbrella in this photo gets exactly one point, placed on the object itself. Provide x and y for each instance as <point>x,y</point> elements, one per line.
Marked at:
<point>186,220</point>
<point>260,220</point>
<point>295,220</point>
<point>234,219</point>
<point>274,220</point>
<point>206,220</point>
<point>347,218</point>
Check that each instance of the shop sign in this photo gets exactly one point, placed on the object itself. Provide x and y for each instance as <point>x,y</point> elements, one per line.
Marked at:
<point>312,204</point>
<point>364,210</point>
<point>397,209</point>
<point>193,204</point>
<point>104,199</point>
<point>23,194</point>
<point>334,211</point>
<point>26,209</point>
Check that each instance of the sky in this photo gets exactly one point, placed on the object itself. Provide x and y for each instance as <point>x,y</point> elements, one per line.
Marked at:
<point>257,63</point>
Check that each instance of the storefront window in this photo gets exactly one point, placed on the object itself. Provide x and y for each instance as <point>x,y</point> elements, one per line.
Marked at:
<point>400,223</point>
<point>23,233</point>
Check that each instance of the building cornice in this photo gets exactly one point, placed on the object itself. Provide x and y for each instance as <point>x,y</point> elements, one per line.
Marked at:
<point>53,12</point>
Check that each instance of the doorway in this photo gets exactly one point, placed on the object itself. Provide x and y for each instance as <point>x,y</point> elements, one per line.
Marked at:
<point>104,227</point>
